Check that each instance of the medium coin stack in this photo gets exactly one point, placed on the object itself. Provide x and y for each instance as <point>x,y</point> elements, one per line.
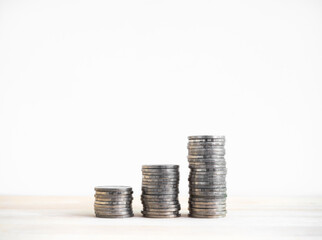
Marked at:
<point>160,191</point>
<point>113,202</point>
<point>207,179</point>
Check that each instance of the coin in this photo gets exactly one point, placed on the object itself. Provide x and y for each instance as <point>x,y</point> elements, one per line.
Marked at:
<point>202,137</point>
<point>161,216</point>
<point>165,166</point>
<point>113,189</point>
<point>159,213</point>
<point>161,170</point>
<point>114,216</point>
<point>113,201</point>
<point>160,188</point>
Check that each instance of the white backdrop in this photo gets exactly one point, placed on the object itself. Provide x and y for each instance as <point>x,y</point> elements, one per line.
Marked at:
<point>91,90</point>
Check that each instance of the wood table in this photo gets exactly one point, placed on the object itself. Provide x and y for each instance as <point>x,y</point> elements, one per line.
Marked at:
<point>45,218</point>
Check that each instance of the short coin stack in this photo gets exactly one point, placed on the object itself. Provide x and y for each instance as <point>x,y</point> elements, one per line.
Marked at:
<point>113,202</point>
<point>207,179</point>
<point>160,191</point>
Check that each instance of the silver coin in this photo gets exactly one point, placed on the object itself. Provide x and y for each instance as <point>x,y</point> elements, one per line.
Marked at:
<point>207,194</point>
<point>161,210</point>
<point>197,193</point>
<point>161,206</point>
<point>206,153</point>
<point>114,216</point>
<point>113,213</point>
<point>210,180</point>
<point>205,157</point>
<point>207,177</point>
<point>174,192</point>
<point>114,193</point>
<point>202,143</point>
<point>207,173</point>
<point>159,185</point>
<point>113,201</point>
<point>208,183</point>
<point>160,180</point>
<point>208,207</point>
<point>159,193</point>
<point>104,205</point>
<point>164,166</point>
<point>160,176</point>
<point>215,186</point>
<point>164,174</point>
<point>218,161</point>
<point>113,189</point>
<point>214,181</point>
<point>113,210</point>
<point>129,203</point>
<point>195,208</point>
<point>205,181</point>
<point>206,211</point>
<point>197,137</point>
<point>113,196</point>
<point>208,188</point>
<point>162,216</point>
<point>207,165</point>
<point>207,199</point>
<point>165,186</point>
<point>157,213</point>
<point>161,170</point>
<point>112,207</point>
<point>162,196</point>
<point>160,200</point>
<point>159,188</point>
<point>206,204</point>
<point>208,169</point>
<point>202,151</point>
<point>199,147</point>
<point>104,212</point>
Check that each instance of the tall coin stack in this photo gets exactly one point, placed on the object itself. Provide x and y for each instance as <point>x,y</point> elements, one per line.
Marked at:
<point>113,202</point>
<point>160,191</point>
<point>207,179</point>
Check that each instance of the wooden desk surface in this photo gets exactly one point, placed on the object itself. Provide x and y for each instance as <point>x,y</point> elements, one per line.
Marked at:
<point>69,218</point>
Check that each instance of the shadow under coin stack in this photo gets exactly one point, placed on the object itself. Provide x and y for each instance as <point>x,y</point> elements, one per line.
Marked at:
<point>160,191</point>
<point>207,179</point>
<point>113,202</point>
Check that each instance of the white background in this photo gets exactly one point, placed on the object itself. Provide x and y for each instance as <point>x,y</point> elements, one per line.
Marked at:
<point>91,90</point>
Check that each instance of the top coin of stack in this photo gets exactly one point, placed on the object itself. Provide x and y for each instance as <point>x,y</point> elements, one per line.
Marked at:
<point>160,191</point>
<point>207,179</point>
<point>113,201</point>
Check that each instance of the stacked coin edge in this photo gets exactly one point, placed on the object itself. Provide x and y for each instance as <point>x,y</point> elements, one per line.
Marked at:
<point>160,189</point>
<point>113,202</point>
<point>207,179</point>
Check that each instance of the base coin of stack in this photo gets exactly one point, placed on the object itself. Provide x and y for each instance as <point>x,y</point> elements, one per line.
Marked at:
<point>207,179</point>
<point>113,202</point>
<point>160,191</point>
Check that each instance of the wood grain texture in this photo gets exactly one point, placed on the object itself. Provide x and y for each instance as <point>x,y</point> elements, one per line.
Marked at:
<point>69,218</point>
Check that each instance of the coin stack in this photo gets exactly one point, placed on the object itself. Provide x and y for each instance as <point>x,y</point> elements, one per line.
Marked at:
<point>160,191</point>
<point>207,179</point>
<point>113,202</point>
